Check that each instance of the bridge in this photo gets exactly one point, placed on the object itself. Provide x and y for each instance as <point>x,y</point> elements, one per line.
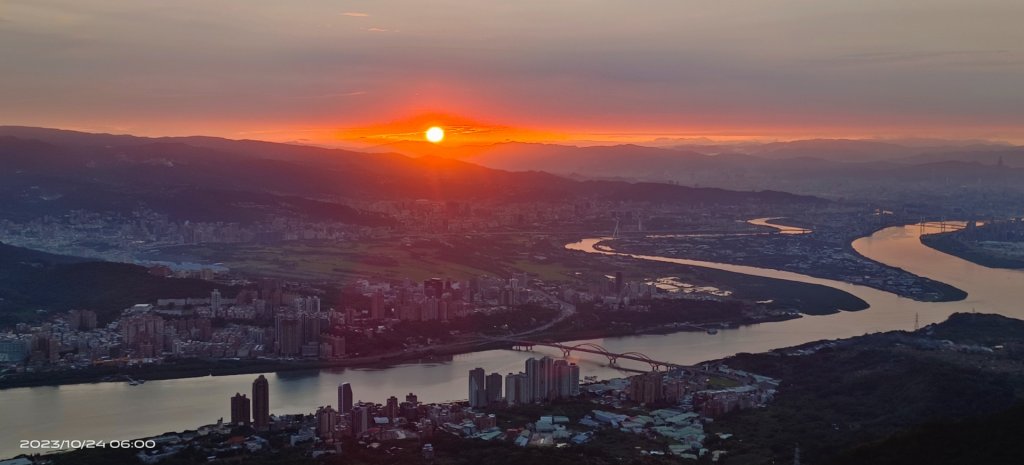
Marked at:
<point>928,227</point>
<point>613,357</point>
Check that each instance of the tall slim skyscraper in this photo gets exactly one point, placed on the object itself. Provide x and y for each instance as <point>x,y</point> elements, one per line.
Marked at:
<point>261,403</point>
<point>215,301</point>
<point>477,388</point>
<point>391,408</point>
<point>533,379</point>
<point>561,380</point>
<point>288,334</point>
<point>239,409</point>
<point>493,387</point>
<point>345,398</point>
<point>546,372</point>
<point>511,388</point>
<point>574,380</point>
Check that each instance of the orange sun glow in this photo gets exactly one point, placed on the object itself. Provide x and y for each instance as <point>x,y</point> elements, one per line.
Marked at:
<point>435,134</point>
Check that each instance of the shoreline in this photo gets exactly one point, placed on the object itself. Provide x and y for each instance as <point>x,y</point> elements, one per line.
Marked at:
<point>948,244</point>
<point>198,368</point>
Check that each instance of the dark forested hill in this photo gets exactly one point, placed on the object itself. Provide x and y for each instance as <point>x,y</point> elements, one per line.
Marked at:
<point>31,281</point>
<point>848,398</point>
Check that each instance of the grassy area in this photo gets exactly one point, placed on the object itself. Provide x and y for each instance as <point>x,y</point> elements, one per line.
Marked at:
<point>322,261</point>
<point>457,257</point>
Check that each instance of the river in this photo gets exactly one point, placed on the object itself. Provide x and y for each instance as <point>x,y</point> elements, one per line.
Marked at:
<point>119,411</point>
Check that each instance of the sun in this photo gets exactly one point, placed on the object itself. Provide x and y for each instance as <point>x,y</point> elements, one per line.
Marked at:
<point>435,134</point>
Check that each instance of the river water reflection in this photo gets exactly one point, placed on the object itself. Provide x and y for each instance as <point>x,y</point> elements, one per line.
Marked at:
<point>119,411</point>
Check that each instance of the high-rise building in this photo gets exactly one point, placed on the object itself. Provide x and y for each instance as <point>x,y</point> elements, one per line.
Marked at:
<point>261,403</point>
<point>345,398</point>
<point>360,420</point>
<point>560,380</point>
<point>534,378</point>
<point>511,388</point>
<point>377,306</point>
<point>391,408</point>
<point>288,334</point>
<point>239,409</point>
<point>412,399</point>
<point>82,320</point>
<point>433,287</point>
<point>310,328</point>
<point>326,422</point>
<point>493,387</point>
<point>144,333</point>
<point>516,387</point>
<point>619,283</point>
<point>332,346</point>
<point>215,301</point>
<point>646,388</point>
<point>567,379</point>
<point>574,380</point>
<point>477,388</point>
<point>546,384</point>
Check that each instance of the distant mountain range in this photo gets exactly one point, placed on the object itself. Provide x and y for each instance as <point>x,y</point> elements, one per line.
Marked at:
<point>44,171</point>
<point>814,167</point>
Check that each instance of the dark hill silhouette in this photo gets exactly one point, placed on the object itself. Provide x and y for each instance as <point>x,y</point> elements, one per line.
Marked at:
<point>32,281</point>
<point>205,177</point>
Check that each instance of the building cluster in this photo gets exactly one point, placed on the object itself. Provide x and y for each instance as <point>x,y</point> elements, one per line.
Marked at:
<point>437,299</point>
<point>544,380</point>
<point>265,319</point>
<point>73,338</point>
<point>676,387</point>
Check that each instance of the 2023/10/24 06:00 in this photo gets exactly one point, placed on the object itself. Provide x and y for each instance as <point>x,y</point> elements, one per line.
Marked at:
<point>58,444</point>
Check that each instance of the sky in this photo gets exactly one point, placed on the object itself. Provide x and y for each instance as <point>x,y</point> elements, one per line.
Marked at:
<point>551,70</point>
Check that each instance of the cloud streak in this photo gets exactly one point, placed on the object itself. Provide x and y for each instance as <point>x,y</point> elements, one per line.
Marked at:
<point>847,67</point>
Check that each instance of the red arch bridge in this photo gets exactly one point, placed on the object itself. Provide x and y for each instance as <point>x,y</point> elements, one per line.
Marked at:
<point>613,357</point>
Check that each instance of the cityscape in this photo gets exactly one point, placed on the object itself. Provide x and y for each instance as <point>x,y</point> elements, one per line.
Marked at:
<point>508,233</point>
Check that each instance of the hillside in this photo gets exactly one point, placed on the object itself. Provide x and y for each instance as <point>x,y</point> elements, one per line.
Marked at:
<point>32,281</point>
<point>839,396</point>
<point>46,171</point>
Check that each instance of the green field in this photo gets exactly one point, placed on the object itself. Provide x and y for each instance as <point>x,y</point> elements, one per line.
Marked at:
<point>387,259</point>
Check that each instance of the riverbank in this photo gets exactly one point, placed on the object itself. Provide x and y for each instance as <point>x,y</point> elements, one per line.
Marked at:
<point>950,243</point>
<point>963,369</point>
<point>198,368</point>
